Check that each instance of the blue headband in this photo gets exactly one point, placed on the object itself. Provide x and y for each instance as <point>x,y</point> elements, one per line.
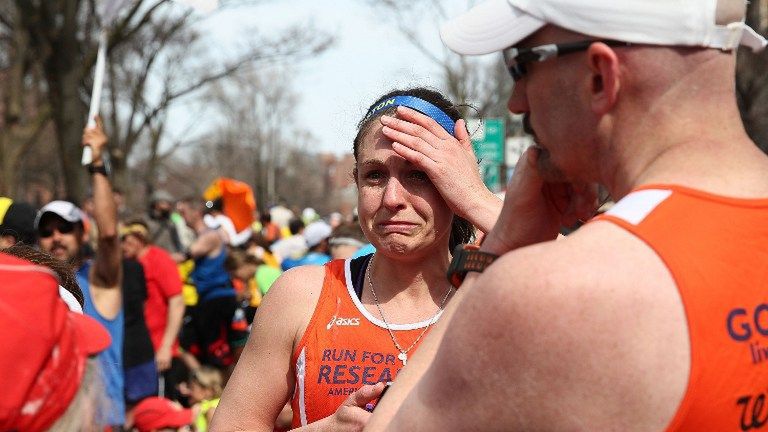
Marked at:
<point>419,105</point>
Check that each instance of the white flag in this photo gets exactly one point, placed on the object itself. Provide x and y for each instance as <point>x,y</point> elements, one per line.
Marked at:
<point>107,11</point>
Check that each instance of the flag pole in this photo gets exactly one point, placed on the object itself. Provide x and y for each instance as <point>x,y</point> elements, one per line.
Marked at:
<point>98,84</point>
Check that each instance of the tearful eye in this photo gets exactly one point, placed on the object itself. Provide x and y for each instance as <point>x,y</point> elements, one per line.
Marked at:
<point>373,176</point>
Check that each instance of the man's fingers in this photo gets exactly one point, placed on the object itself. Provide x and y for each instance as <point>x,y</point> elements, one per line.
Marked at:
<point>365,394</point>
<point>526,175</point>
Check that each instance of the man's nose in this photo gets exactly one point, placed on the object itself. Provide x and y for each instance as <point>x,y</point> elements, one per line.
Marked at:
<point>518,101</point>
<point>57,235</point>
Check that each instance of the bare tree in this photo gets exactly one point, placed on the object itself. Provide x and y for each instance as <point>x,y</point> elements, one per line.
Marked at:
<point>24,111</point>
<point>485,85</point>
<point>258,140</point>
<point>164,66</point>
<point>61,39</point>
<point>256,111</point>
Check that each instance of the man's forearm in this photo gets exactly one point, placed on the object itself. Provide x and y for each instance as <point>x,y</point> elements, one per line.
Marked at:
<point>107,264</point>
<point>175,317</point>
<point>104,206</point>
<point>204,245</point>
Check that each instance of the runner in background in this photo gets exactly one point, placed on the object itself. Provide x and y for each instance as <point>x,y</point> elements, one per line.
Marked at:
<point>164,306</point>
<point>61,233</point>
<point>218,335</point>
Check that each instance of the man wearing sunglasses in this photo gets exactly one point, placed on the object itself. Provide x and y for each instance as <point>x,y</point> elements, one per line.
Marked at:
<point>61,232</point>
<point>647,318</point>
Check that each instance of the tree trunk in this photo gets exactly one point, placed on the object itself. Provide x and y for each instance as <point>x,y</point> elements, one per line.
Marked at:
<point>64,70</point>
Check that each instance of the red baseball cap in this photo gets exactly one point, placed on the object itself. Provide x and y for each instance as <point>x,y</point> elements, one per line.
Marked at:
<point>157,413</point>
<point>44,346</point>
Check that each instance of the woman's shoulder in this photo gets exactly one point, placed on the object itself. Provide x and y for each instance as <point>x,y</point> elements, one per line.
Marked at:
<point>294,296</point>
<point>297,286</point>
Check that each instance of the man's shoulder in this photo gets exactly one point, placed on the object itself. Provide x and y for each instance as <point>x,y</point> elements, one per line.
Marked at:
<point>598,254</point>
<point>157,253</point>
<point>598,275</point>
<point>592,321</point>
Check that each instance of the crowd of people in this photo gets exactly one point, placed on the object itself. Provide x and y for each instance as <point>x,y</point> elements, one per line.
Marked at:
<point>174,290</point>
<point>477,313</point>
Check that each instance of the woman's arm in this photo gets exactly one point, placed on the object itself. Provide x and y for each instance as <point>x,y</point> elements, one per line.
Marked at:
<point>263,379</point>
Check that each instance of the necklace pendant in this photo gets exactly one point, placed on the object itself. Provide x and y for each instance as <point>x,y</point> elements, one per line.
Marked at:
<point>403,357</point>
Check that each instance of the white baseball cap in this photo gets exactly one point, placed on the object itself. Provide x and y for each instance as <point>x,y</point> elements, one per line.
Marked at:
<point>494,25</point>
<point>64,209</point>
<point>316,232</point>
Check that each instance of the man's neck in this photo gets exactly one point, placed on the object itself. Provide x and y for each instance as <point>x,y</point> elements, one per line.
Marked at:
<point>682,142</point>
<point>143,252</point>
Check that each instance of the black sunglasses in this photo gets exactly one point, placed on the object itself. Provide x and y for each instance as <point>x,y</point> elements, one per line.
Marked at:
<point>62,227</point>
<point>516,59</point>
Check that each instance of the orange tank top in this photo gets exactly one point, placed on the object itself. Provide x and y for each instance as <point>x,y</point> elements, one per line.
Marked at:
<point>716,249</point>
<point>344,347</point>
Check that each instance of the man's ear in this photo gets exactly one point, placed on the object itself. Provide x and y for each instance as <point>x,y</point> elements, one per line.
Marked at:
<point>606,80</point>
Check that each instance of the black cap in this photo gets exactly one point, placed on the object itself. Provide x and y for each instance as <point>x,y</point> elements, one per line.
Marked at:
<point>19,222</point>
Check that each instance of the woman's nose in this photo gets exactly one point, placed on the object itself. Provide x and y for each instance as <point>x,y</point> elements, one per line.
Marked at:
<point>394,194</point>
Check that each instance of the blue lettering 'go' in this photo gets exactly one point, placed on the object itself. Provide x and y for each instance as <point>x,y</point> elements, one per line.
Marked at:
<point>742,330</point>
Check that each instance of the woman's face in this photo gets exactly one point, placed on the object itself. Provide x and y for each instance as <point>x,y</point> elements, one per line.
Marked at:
<point>399,208</point>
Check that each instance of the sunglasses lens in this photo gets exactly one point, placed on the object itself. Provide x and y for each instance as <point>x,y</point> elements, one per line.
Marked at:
<point>62,227</point>
<point>66,228</point>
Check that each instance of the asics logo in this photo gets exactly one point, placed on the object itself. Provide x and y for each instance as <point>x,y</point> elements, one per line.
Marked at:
<point>343,322</point>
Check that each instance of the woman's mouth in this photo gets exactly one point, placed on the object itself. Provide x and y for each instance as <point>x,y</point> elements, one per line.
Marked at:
<point>396,227</point>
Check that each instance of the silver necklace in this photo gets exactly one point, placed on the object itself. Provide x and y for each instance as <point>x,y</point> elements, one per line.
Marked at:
<point>403,356</point>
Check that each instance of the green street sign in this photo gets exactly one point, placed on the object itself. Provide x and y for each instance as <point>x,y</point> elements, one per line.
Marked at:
<point>488,143</point>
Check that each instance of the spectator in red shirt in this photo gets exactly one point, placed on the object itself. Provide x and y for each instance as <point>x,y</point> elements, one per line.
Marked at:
<point>164,308</point>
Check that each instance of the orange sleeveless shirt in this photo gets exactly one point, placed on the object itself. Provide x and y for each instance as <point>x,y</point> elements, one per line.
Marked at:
<point>344,347</point>
<point>716,249</point>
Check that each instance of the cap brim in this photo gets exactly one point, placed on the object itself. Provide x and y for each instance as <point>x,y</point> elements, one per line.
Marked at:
<point>94,338</point>
<point>491,26</point>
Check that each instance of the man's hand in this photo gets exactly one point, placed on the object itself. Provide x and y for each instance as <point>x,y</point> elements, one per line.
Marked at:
<point>96,139</point>
<point>534,210</point>
<point>163,358</point>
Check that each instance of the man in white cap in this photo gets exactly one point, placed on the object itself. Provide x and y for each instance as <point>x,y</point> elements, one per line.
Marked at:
<point>61,233</point>
<point>651,317</point>
<point>316,237</point>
